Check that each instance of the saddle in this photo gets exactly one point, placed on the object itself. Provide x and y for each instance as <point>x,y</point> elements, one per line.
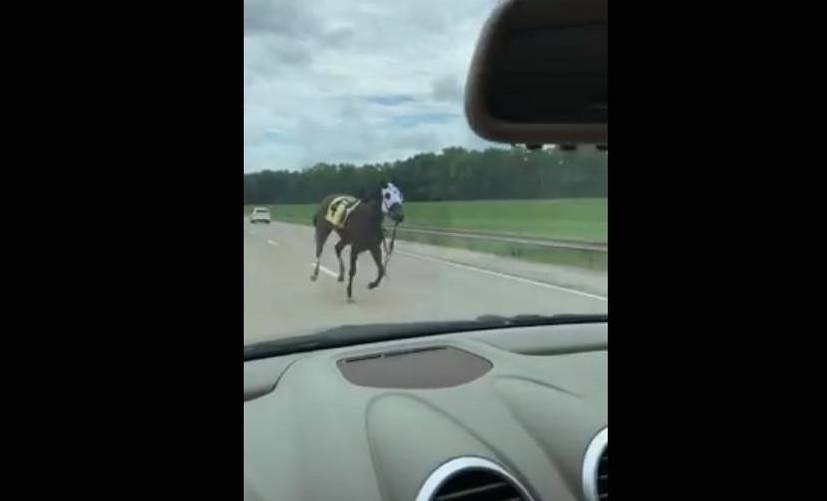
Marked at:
<point>339,210</point>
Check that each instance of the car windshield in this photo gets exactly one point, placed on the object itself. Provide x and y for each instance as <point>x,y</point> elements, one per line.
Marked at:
<point>355,137</point>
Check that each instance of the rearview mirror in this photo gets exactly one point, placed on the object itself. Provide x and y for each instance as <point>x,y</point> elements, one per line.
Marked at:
<point>540,73</point>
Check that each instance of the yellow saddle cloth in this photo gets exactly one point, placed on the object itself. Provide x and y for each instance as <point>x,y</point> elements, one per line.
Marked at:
<point>339,210</point>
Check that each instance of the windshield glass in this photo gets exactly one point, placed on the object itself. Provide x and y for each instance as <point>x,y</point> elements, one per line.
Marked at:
<point>355,134</point>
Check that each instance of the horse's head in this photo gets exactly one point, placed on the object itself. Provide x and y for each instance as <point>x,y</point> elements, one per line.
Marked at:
<point>392,202</point>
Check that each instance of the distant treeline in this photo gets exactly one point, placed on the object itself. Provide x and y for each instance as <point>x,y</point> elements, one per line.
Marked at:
<point>453,174</point>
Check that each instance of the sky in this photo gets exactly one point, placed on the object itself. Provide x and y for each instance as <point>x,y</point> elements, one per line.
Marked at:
<point>356,81</point>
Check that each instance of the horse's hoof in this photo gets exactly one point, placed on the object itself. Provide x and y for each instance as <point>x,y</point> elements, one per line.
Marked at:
<point>372,285</point>
<point>313,278</point>
<point>341,279</point>
<point>350,300</point>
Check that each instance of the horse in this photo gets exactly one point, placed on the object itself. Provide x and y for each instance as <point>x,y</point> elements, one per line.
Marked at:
<point>362,230</point>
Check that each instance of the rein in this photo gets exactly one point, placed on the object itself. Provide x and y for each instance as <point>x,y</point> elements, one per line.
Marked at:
<point>389,250</point>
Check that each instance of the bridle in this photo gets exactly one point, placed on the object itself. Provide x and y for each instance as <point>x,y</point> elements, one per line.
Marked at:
<point>388,249</point>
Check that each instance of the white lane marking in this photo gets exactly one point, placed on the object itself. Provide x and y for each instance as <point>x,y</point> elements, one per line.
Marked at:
<point>502,275</point>
<point>274,244</point>
<point>329,272</point>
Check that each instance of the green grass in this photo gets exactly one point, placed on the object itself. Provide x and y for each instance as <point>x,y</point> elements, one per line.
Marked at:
<point>579,219</point>
<point>576,219</point>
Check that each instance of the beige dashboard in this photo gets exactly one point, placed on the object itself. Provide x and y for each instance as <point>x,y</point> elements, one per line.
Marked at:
<point>378,421</point>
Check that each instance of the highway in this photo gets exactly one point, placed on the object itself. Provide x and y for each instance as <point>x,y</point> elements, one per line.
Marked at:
<point>425,283</point>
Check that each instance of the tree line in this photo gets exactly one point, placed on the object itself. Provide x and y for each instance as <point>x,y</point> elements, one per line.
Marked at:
<point>452,174</point>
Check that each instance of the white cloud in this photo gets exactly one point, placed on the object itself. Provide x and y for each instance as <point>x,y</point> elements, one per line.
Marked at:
<point>355,80</point>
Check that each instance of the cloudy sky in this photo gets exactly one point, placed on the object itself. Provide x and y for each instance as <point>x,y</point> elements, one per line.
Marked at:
<point>355,80</point>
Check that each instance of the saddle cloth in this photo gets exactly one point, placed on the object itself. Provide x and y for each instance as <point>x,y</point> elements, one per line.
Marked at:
<point>339,210</point>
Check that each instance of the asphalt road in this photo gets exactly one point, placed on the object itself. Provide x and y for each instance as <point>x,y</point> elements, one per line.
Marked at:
<point>280,300</point>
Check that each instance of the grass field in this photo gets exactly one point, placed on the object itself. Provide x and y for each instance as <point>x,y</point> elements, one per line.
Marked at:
<point>573,219</point>
<point>576,219</point>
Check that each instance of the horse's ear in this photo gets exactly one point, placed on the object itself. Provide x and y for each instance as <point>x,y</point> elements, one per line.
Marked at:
<point>383,185</point>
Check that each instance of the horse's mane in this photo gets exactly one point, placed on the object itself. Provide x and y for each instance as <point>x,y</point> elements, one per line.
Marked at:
<point>373,196</point>
<point>370,195</point>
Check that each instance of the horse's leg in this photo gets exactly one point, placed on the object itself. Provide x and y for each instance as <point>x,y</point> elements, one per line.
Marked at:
<point>354,253</point>
<point>322,231</point>
<point>340,245</point>
<point>377,258</point>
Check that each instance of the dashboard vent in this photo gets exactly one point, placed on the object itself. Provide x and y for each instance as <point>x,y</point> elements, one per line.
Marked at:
<point>603,476</point>
<point>472,479</point>
<point>596,468</point>
<point>477,485</point>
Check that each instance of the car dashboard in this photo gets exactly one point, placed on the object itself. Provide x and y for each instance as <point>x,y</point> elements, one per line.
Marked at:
<point>501,414</point>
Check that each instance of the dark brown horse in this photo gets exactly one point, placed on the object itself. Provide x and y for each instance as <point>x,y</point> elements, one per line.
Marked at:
<point>362,231</point>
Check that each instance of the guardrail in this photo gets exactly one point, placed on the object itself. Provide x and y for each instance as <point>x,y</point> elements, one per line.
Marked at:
<point>509,238</point>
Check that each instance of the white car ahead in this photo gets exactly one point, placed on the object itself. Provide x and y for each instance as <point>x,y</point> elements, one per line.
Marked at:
<point>260,215</point>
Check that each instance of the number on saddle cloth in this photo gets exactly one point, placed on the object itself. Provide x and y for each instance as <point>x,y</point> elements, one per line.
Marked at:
<point>339,210</point>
